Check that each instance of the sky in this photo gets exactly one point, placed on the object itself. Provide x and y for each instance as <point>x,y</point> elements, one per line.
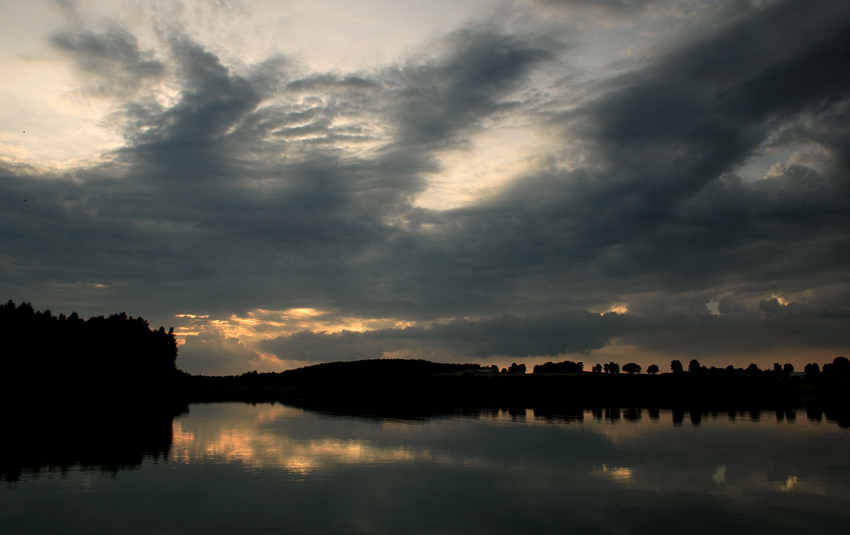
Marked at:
<point>493,181</point>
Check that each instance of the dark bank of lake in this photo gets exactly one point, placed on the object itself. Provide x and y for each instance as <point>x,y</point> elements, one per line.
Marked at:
<point>271,468</point>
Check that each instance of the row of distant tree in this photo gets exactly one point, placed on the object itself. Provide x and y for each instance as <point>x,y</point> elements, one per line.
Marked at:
<point>841,365</point>
<point>43,351</point>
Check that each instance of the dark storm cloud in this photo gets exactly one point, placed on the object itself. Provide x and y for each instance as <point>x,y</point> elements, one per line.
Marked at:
<point>629,6</point>
<point>249,190</point>
<point>212,101</point>
<point>321,81</point>
<point>678,330</point>
<point>739,332</point>
<point>705,108</point>
<point>513,336</point>
<point>660,208</point>
<point>213,190</point>
<point>440,98</point>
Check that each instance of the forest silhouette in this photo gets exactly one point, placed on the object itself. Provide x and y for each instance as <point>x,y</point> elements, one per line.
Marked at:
<point>47,356</point>
<point>101,393</point>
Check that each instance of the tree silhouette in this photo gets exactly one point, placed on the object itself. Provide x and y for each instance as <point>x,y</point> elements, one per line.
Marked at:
<point>652,369</point>
<point>560,367</point>
<point>811,369</point>
<point>516,368</point>
<point>676,366</point>
<point>120,353</point>
<point>631,368</point>
<point>693,366</point>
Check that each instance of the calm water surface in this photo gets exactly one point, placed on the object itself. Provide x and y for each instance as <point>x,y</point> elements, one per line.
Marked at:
<point>238,468</point>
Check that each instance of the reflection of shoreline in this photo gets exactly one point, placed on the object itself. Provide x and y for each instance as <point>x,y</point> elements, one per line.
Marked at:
<point>58,437</point>
<point>382,394</point>
<point>237,467</point>
<point>612,414</point>
<point>640,453</point>
<point>578,413</point>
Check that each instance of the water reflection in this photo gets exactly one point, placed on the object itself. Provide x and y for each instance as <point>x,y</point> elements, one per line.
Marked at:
<point>61,438</point>
<point>253,442</point>
<point>618,474</point>
<point>239,468</point>
<point>301,442</point>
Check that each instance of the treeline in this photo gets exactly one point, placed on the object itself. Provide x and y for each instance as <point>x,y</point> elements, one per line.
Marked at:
<point>839,366</point>
<point>47,355</point>
<point>560,367</point>
<point>401,388</point>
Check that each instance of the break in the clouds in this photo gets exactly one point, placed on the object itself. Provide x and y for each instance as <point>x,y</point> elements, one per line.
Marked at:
<point>510,180</point>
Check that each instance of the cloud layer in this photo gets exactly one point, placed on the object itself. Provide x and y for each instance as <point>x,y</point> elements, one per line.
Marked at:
<point>698,187</point>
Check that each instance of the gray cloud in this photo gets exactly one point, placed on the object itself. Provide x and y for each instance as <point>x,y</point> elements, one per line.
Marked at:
<point>662,206</point>
<point>112,58</point>
<point>674,330</point>
<point>512,336</point>
<point>257,187</point>
<point>456,92</point>
<point>629,6</point>
<point>739,333</point>
<point>209,354</point>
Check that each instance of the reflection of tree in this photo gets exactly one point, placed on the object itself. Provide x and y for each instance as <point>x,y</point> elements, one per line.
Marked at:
<point>64,437</point>
<point>632,414</point>
<point>612,414</point>
<point>696,417</point>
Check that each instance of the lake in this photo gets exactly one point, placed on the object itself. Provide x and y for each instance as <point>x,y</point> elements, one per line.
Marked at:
<point>268,468</point>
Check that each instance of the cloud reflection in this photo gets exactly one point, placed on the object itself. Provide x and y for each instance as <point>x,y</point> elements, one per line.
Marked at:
<point>619,474</point>
<point>251,443</point>
<point>714,457</point>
